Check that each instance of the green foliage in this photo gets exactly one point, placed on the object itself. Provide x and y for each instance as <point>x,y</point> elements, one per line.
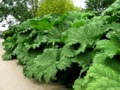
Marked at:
<point>86,37</point>
<point>55,6</point>
<point>98,5</point>
<point>103,74</point>
<point>46,65</point>
<point>113,11</point>
<point>19,9</point>
<point>51,45</point>
<point>40,42</point>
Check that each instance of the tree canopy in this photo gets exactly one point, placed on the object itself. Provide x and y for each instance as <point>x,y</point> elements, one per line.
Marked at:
<point>21,10</point>
<point>98,5</point>
<point>55,6</point>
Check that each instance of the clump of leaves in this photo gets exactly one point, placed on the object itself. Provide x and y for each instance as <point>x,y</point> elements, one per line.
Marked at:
<point>40,42</point>
<point>103,74</point>
<point>49,45</point>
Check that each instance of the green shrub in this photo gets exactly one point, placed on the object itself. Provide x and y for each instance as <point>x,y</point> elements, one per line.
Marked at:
<point>55,6</point>
<point>41,42</point>
<point>56,47</point>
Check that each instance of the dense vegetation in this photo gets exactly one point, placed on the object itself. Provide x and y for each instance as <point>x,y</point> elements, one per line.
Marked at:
<point>74,46</point>
<point>43,41</point>
<point>19,9</point>
<point>55,6</point>
<point>98,5</point>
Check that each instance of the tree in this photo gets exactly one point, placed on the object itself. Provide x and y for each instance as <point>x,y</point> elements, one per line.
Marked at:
<point>55,6</point>
<point>19,9</point>
<point>98,5</point>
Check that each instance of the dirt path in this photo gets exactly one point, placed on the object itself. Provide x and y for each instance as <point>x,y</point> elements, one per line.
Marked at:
<point>11,77</point>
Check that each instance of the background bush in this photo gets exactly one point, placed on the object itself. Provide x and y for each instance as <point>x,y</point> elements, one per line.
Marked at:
<point>55,6</point>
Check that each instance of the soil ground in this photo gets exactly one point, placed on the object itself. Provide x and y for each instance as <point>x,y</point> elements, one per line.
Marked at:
<point>12,78</point>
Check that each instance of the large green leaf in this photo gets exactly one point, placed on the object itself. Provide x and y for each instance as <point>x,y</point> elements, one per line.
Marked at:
<point>113,8</point>
<point>85,36</point>
<point>101,76</point>
<point>104,84</point>
<point>109,48</point>
<point>105,78</point>
<point>46,66</point>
